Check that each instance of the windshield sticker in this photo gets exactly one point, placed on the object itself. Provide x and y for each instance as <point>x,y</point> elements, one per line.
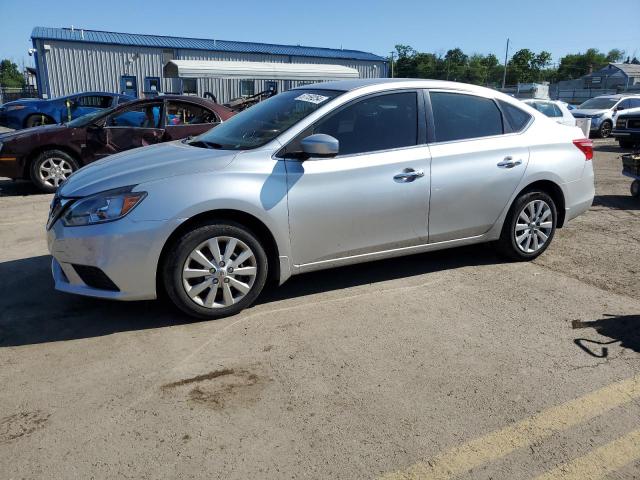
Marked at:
<point>311,98</point>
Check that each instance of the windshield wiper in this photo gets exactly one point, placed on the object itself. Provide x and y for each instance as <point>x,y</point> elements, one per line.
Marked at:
<point>205,144</point>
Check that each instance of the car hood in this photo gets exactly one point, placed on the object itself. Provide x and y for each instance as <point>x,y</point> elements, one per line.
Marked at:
<point>589,111</point>
<point>144,165</point>
<point>21,135</point>
<point>22,101</point>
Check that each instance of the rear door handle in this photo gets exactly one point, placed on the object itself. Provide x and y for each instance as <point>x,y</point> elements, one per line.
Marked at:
<point>408,175</point>
<point>509,162</point>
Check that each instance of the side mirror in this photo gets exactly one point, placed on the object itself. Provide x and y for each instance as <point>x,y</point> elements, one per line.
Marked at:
<point>320,145</point>
<point>618,108</point>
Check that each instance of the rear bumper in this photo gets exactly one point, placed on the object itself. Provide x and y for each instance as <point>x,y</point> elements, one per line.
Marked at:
<point>627,134</point>
<point>579,194</point>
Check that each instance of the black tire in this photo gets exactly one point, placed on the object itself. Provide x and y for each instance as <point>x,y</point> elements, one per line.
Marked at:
<point>37,120</point>
<point>180,251</point>
<point>51,159</point>
<point>605,129</point>
<point>625,143</point>
<point>635,188</point>
<point>507,245</point>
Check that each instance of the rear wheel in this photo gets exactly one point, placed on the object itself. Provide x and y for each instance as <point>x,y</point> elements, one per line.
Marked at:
<point>38,120</point>
<point>605,129</point>
<point>50,168</point>
<point>529,227</point>
<point>215,270</point>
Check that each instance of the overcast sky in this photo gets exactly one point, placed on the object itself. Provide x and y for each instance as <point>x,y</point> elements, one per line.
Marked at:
<point>558,26</point>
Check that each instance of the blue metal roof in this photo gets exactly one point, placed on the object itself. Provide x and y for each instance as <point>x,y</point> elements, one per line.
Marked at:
<point>159,41</point>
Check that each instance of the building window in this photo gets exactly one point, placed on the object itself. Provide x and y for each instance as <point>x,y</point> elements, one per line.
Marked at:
<point>167,56</point>
<point>189,86</point>
<point>247,88</point>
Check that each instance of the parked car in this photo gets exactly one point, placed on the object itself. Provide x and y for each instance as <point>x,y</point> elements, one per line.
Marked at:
<point>316,177</point>
<point>627,128</point>
<point>556,110</point>
<point>49,154</point>
<point>602,109</point>
<point>33,112</point>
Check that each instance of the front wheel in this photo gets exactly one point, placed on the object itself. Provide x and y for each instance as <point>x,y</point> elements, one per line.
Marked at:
<point>215,270</point>
<point>50,168</point>
<point>529,227</point>
<point>605,129</point>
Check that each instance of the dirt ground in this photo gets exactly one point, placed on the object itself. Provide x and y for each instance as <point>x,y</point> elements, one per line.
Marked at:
<point>453,364</point>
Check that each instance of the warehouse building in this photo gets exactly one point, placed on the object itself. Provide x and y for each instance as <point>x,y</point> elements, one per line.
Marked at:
<point>70,60</point>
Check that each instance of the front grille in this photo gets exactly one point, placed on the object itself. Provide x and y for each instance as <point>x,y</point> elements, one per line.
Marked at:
<point>95,278</point>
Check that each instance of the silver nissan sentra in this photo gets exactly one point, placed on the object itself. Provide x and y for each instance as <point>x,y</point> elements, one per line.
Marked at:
<point>317,177</point>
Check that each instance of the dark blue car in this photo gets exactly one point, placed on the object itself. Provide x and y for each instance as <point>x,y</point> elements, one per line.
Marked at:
<point>33,112</point>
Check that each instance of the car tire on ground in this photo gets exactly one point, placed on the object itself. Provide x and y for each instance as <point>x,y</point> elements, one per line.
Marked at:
<point>529,227</point>
<point>38,120</point>
<point>605,129</point>
<point>50,168</point>
<point>625,143</point>
<point>215,270</point>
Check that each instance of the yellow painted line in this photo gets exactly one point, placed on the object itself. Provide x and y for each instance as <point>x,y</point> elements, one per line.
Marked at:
<point>500,443</point>
<point>599,462</point>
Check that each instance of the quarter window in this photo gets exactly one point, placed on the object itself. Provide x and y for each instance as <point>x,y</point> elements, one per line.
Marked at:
<point>188,114</point>
<point>517,118</point>
<point>458,116</point>
<point>382,122</point>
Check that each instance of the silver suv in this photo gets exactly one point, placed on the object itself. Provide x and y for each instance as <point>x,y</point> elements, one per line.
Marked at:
<point>316,177</point>
<point>601,110</point>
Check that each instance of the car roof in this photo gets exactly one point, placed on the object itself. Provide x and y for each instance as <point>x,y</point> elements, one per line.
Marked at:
<point>383,84</point>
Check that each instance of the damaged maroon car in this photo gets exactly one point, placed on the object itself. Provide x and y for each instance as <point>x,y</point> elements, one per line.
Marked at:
<point>49,154</point>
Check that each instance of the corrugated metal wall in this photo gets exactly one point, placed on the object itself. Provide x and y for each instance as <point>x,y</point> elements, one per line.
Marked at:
<point>70,67</point>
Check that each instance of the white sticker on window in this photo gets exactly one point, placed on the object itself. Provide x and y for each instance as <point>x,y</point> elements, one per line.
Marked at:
<point>311,98</point>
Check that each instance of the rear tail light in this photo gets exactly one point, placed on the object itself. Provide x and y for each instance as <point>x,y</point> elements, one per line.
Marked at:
<point>586,146</point>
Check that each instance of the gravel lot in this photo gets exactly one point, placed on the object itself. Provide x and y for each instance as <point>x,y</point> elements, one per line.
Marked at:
<point>431,366</point>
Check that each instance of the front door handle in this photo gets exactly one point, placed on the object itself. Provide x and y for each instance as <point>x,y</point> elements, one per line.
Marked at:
<point>408,175</point>
<point>509,162</point>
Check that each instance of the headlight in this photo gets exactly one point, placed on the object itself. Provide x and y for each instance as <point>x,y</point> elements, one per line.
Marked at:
<point>15,107</point>
<point>597,115</point>
<point>103,207</point>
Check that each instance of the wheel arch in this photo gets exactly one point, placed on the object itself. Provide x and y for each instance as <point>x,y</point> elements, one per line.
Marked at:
<point>554,191</point>
<point>254,224</point>
<point>37,114</point>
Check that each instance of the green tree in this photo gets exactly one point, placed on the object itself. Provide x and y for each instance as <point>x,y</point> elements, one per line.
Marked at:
<point>575,65</point>
<point>10,76</point>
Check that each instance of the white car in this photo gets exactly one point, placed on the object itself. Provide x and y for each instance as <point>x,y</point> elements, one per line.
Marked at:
<point>556,110</point>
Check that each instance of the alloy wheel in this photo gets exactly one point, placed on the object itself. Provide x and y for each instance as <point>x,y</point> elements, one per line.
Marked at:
<point>53,171</point>
<point>219,272</point>
<point>605,130</point>
<point>534,226</point>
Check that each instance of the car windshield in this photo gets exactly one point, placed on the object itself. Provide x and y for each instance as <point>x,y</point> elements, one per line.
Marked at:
<point>263,122</point>
<point>85,120</point>
<point>598,103</point>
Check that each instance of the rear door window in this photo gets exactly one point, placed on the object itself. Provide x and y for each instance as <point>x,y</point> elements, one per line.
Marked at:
<point>459,116</point>
<point>95,101</point>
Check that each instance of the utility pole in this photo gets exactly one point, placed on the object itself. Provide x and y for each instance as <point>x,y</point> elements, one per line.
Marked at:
<point>504,74</point>
<point>392,54</point>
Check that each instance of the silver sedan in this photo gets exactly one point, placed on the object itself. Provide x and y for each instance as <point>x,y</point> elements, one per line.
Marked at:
<point>317,177</point>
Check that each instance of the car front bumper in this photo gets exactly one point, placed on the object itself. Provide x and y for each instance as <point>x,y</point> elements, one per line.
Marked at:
<point>628,134</point>
<point>125,251</point>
